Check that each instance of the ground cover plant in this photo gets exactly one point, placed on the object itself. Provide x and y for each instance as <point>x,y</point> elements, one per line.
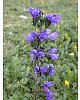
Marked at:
<point>16,57</point>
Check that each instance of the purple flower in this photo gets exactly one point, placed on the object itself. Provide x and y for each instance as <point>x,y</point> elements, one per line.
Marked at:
<point>34,34</point>
<point>49,96</point>
<point>40,69</point>
<point>40,54</point>
<point>31,37</point>
<point>53,18</point>
<point>52,54</point>
<point>46,70</point>
<point>46,35</point>
<point>36,69</point>
<point>43,69</point>
<point>47,84</point>
<point>43,36</point>
<point>53,50</point>
<point>53,36</point>
<point>34,53</point>
<point>46,89</point>
<point>35,12</point>
<point>49,17</point>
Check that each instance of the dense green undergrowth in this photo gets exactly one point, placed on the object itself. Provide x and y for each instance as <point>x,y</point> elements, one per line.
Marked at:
<point>16,50</point>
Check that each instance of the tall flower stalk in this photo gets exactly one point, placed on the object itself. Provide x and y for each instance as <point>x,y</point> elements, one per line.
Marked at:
<point>41,67</point>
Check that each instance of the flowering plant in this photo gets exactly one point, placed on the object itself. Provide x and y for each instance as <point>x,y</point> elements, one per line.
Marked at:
<point>39,53</point>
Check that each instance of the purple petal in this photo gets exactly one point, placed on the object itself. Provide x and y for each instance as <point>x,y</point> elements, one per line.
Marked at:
<point>46,89</point>
<point>36,69</point>
<point>35,12</point>
<point>56,18</point>
<point>40,54</point>
<point>53,18</point>
<point>49,96</point>
<point>43,69</point>
<point>53,36</point>
<point>34,52</point>
<point>53,50</point>
<point>54,56</point>
<point>47,84</point>
<point>43,36</point>
<point>40,69</point>
<point>49,17</point>
<point>29,38</point>
<point>51,72</point>
<point>34,34</point>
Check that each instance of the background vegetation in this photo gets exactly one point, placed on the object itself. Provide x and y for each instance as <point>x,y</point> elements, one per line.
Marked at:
<point>16,58</point>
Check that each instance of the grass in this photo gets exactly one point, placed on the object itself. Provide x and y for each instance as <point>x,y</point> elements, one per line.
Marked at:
<point>16,49</point>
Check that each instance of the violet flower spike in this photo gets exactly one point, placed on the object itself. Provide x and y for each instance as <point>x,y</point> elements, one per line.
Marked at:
<point>41,72</point>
